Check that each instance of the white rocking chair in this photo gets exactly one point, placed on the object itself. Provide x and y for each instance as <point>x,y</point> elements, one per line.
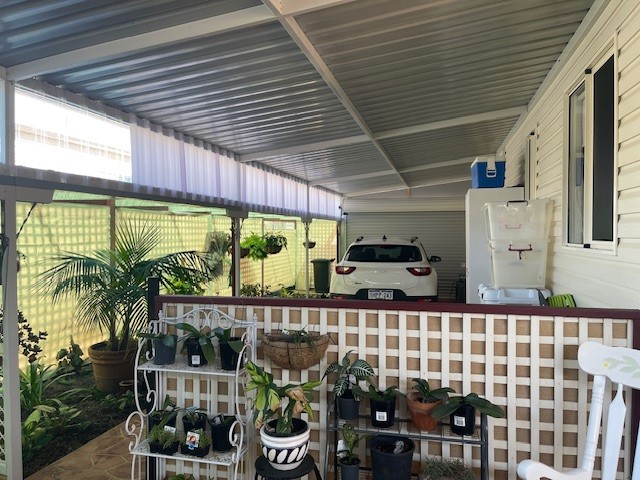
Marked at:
<point>621,366</point>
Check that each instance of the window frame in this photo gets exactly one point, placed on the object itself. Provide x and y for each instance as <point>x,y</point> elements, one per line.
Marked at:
<point>588,243</point>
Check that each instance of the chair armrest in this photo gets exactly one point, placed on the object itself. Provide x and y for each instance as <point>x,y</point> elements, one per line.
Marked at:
<point>532,470</point>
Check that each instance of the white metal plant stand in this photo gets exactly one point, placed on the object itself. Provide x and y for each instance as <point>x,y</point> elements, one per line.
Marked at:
<point>241,438</point>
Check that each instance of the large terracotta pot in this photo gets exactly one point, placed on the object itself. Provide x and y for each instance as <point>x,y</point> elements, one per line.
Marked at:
<point>110,368</point>
<point>421,412</point>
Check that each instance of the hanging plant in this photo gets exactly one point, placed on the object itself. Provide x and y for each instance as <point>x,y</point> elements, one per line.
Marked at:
<point>256,246</point>
<point>275,242</point>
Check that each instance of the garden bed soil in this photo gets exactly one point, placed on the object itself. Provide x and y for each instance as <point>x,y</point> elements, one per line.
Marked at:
<point>102,415</point>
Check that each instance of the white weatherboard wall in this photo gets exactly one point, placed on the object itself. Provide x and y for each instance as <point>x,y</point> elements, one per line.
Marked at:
<point>441,233</point>
<point>596,279</point>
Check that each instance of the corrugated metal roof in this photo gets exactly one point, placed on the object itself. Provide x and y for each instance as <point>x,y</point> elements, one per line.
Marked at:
<point>353,96</point>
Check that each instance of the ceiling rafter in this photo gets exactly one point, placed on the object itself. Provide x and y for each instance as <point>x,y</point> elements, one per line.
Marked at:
<point>431,183</point>
<point>303,42</point>
<point>222,23</point>
<point>298,7</point>
<point>309,147</point>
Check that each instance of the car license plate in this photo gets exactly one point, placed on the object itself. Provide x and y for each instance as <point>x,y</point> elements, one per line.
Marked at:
<point>380,294</point>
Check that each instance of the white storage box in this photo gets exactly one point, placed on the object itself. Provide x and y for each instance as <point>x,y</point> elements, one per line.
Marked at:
<point>512,296</point>
<point>521,264</point>
<point>518,220</point>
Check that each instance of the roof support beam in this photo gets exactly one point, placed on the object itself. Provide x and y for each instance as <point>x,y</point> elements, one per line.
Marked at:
<point>303,42</point>
<point>297,7</point>
<point>310,147</point>
<point>206,26</point>
<point>347,178</point>
<point>452,122</point>
<point>431,183</point>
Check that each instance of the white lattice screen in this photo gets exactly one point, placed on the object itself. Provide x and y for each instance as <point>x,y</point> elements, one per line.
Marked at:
<point>526,364</point>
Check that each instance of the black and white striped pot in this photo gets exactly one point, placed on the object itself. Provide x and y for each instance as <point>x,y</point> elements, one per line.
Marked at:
<point>285,452</point>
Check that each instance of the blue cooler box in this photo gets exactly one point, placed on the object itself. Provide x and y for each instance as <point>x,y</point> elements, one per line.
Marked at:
<point>487,172</point>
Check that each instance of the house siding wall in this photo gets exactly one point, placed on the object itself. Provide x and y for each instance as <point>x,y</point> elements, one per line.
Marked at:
<point>596,279</point>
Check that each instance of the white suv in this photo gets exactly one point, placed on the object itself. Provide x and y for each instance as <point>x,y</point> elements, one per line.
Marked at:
<point>385,269</point>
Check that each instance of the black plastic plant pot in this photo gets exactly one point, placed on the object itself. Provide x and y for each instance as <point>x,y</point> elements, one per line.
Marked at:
<point>391,457</point>
<point>228,356</point>
<point>154,447</point>
<point>350,471</point>
<point>195,355</point>
<point>195,451</point>
<point>383,412</point>
<point>164,355</point>
<point>157,418</point>
<point>220,434</point>
<point>170,450</point>
<point>463,420</point>
<point>190,425</point>
<point>348,406</point>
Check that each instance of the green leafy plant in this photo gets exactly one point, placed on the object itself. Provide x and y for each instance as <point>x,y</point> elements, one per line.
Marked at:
<point>111,285</point>
<point>224,335</point>
<point>203,338</point>
<point>275,241</point>
<point>351,439</point>
<point>186,286</point>
<point>35,380</point>
<point>34,436</point>
<point>168,339</point>
<point>427,395</point>
<point>59,418</point>
<point>481,404</point>
<point>181,476</point>
<point>256,245</point>
<point>253,290</point>
<point>436,468</point>
<point>167,411</point>
<point>28,338</point>
<point>204,441</point>
<point>347,372</point>
<point>125,402</point>
<point>268,400</point>
<point>70,359</point>
<point>374,393</point>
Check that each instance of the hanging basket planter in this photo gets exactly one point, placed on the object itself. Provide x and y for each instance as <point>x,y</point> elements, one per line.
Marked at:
<point>309,244</point>
<point>295,351</point>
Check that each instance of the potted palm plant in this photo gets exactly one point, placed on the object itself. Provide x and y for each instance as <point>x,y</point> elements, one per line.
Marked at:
<point>285,440</point>
<point>111,289</point>
<point>349,374</point>
<point>422,400</point>
<point>462,412</point>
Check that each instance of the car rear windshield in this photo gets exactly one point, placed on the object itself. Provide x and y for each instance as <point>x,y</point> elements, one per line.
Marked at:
<point>384,253</point>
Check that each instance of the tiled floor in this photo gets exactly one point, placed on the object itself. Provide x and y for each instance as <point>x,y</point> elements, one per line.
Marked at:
<point>103,458</point>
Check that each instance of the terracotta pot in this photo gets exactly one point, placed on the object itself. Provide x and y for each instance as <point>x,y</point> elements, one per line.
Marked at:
<point>111,367</point>
<point>421,412</point>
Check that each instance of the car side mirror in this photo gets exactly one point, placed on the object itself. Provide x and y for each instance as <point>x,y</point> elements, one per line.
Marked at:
<point>434,259</point>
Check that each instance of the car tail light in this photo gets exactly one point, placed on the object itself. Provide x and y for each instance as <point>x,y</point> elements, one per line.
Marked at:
<point>419,271</point>
<point>340,270</point>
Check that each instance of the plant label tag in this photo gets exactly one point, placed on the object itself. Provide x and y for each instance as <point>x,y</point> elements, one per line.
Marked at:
<point>169,428</point>
<point>193,439</point>
<point>381,416</point>
<point>459,421</point>
<point>195,359</point>
<point>342,448</point>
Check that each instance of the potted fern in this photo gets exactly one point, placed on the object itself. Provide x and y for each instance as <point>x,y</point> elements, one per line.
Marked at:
<point>254,246</point>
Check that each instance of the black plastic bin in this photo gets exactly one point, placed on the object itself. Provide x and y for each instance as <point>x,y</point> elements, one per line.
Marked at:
<point>321,274</point>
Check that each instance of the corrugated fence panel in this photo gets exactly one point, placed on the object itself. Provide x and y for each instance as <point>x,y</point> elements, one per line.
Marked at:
<point>441,233</point>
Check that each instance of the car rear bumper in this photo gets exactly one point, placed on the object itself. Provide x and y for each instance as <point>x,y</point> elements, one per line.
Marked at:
<point>398,295</point>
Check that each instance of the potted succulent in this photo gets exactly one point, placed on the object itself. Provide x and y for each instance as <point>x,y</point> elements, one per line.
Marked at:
<point>198,345</point>
<point>295,349</point>
<point>382,404</point>
<point>391,457</point>
<point>221,426</point>
<point>437,468</point>
<point>195,442</point>
<point>275,242</point>
<point>255,246</point>
<point>422,400</point>
<point>462,412</point>
<point>279,431</point>
<point>350,463</point>
<point>165,415</point>
<point>230,348</point>
<point>111,289</point>
<point>193,419</point>
<point>164,347</point>
<point>349,374</point>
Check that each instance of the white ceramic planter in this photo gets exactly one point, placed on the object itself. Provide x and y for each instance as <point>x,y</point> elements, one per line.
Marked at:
<point>285,452</point>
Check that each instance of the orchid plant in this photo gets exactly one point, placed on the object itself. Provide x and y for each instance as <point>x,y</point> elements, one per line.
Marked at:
<point>268,400</point>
